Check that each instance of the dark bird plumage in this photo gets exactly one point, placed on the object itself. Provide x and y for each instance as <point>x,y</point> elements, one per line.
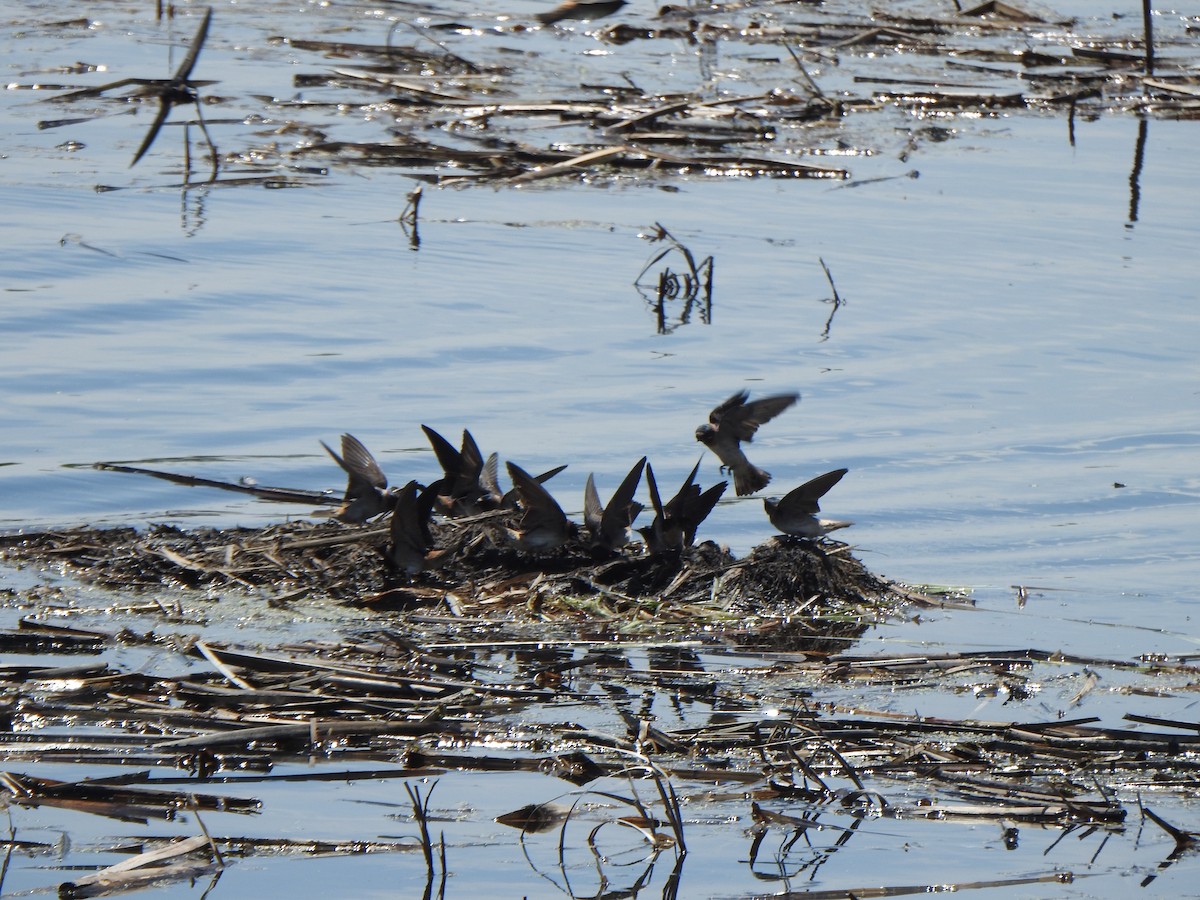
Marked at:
<point>490,480</point>
<point>179,90</point>
<point>541,525</point>
<point>609,525</point>
<point>464,490</point>
<point>796,513</point>
<point>735,421</point>
<point>583,10</point>
<point>412,543</point>
<point>676,521</point>
<point>366,492</point>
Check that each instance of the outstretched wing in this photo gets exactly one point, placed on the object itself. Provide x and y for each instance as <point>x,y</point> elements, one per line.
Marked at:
<point>804,499</point>
<point>740,419</point>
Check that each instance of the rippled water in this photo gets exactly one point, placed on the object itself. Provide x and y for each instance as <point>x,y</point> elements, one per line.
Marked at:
<point>1012,379</point>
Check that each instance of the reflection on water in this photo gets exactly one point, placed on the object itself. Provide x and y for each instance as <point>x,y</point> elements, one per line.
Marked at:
<point>684,293</point>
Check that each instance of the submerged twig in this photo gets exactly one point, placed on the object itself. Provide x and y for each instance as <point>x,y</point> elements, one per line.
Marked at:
<point>836,301</point>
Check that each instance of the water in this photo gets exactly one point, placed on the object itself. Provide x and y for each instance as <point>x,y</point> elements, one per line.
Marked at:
<point>1018,336</point>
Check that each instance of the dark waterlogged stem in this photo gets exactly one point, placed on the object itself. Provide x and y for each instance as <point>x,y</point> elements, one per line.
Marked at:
<point>1148,29</point>
<point>1135,173</point>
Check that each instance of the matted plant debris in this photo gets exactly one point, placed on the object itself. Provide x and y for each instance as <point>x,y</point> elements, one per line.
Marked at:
<point>493,670</point>
<point>718,89</point>
<point>784,594</point>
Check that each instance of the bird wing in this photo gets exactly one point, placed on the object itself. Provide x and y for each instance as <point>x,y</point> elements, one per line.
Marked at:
<point>593,509</point>
<point>471,456</point>
<point>448,458</point>
<point>184,72</point>
<point>406,520</point>
<point>697,511</point>
<point>742,420</point>
<point>621,509</point>
<point>804,499</point>
<point>489,478</point>
<point>550,473</point>
<point>719,413</point>
<point>164,108</point>
<point>540,509</point>
<point>686,493</point>
<point>655,498</point>
<point>358,461</point>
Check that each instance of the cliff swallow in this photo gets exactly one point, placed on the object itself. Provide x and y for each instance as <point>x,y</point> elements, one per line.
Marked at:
<point>609,525</point>
<point>490,481</point>
<point>735,421</point>
<point>464,492</point>
<point>584,10</point>
<point>796,513</point>
<point>541,525</point>
<point>366,493</point>
<point>675,522</point>
<point>412,543</point>
<point>180,90</point>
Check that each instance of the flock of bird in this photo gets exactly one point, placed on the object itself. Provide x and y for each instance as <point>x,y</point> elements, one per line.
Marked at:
<point>533,520</point>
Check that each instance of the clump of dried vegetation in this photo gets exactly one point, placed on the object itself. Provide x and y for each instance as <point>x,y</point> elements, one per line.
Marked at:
<point>469,97</point>
<point>784,593</point>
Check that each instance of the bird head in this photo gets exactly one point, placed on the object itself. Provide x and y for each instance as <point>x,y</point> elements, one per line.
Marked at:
<point>705,434</point>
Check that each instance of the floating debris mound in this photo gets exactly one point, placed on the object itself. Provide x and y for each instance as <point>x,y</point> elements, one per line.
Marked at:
<point>780,583</point>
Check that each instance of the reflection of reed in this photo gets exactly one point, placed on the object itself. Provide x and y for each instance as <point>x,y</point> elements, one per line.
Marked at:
<point>1135,173</point>
<point>659,824</point>
<point>836,300</point>
<point>693,288</point>
<point>409,216</point>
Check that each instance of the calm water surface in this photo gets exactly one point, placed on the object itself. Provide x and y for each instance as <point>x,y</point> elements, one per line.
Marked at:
<point>1013,346</point>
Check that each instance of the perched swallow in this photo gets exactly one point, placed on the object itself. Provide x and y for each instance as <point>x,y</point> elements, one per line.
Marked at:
<point>465,493</point>
<point>542,526</point>
<point>735,421</point>
<point>366,493</point>
<point>675,522</point>
<point>490,482</point>
<point>584,10</point>
<point>412,543</point>
<point>796,513</point>
<point>609,525</point>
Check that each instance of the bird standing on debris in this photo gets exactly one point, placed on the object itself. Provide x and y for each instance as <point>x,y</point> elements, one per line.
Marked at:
<point>796,513</point>
<point>465,493</point>
<point>412,542</point>
<point>542,525</point>
<point>366,493</point>
<point>609,525</point>
<point>735,421</point>
<point>675,522</point>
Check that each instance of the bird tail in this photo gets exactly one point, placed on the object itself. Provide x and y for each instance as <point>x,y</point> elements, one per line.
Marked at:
<point>828,525</point>
<point>749,479</point>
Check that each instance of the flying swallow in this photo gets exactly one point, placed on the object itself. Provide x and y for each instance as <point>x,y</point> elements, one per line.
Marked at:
<point>609,525</point>
<point>675,522</point>
<point>464,494</point>
<point>796,513</point>
<point>584,10</point>
<point>366,493</point>
<point>179,90</point>
<point>735,421</point>
<point>542,526</point>
<point>412,543</point>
